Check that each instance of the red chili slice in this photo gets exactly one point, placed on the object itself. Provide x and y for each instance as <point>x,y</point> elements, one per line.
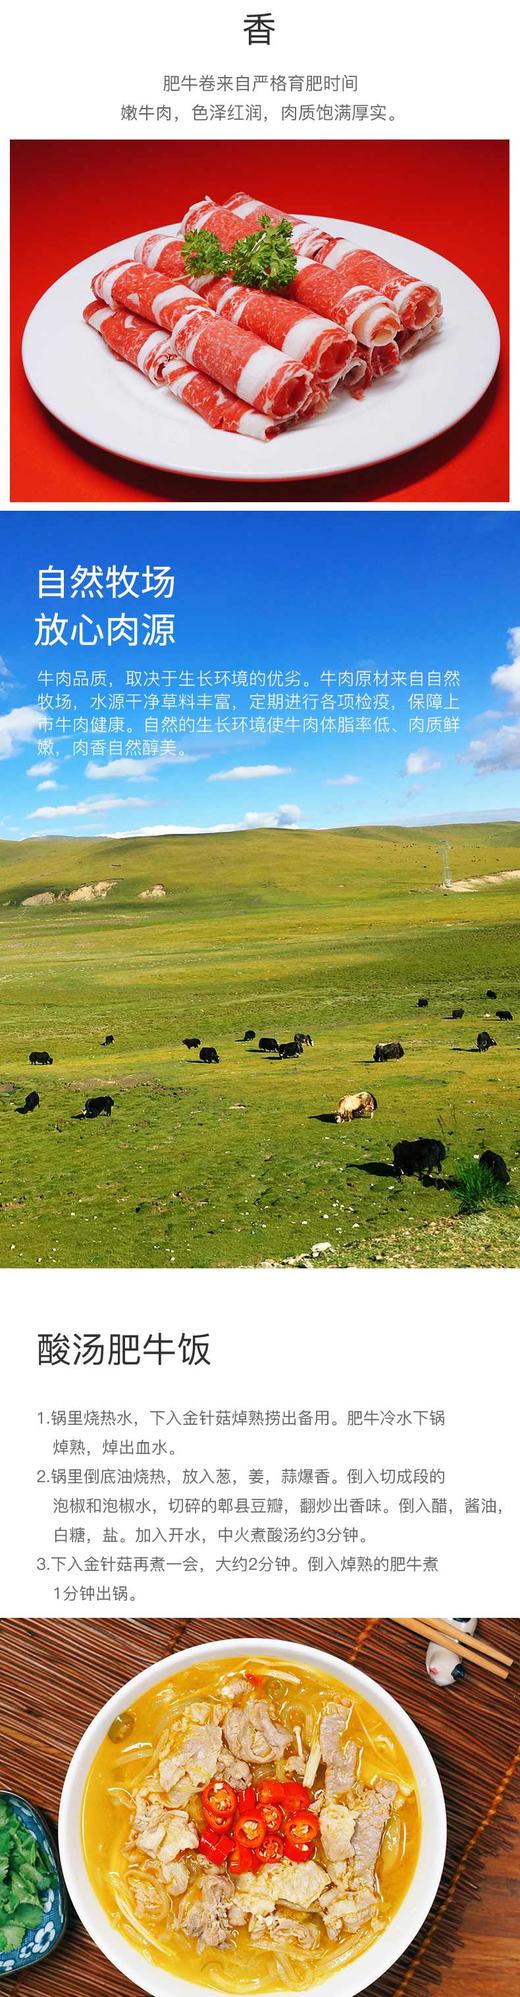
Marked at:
<point>273,1816</point>
<point>243,1859</point>
<point>302,1828</point>
<point>215,1848</point>
<point>299,1852</point>
<point>250,1830</point>
<point>219,1804</point>
<point>246,1802</point>
<point>292,1796</point>
<point>273,1849</point>
<point>213,1838</point>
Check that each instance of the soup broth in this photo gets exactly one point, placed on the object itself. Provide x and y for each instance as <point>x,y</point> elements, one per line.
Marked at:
<point>298,1891</point>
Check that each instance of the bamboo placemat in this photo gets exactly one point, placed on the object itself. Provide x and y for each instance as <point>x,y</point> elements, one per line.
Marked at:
<point>55,1675</point>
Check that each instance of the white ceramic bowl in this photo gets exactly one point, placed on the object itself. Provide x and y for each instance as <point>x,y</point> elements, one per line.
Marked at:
<point>356,1976</point>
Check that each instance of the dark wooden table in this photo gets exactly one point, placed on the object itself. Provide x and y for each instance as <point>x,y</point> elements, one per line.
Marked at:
<point>55,1675</point>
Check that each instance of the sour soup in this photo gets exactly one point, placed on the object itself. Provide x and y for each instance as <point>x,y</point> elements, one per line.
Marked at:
<point>250,1824</point>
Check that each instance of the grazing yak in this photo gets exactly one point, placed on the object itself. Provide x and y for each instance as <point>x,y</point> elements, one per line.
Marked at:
<point>32,1101</point>
<point>288,1049</point>
<point>491,994</point>
<point>208,1054</point>
<point>191,1043</point>
<point>388,1050</point>
<point>495,1164</point>
<point>267,1046</point>
<point>250,1035</point>
<point>414,1157</point>
<point>363,1104</point>
<point>422,1001</point>
<point>40,1060</point>
<point>108,1040</point>
<point>304,1039</point>
<point>98,1106</point>
<point>458,1012</point>
<point>504,1015</point>
<point>484,1041</point>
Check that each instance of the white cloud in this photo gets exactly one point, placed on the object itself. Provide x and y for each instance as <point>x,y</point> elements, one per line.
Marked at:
<point>507,678</point>
<point>136,769</point>
<point>420,762</point>
<point>175,831</point>
<point>285,815</point>
<point>496,751</point>
<point>5,673</point>
<point>120,766</point>
<point>20,726</point>
<point>49,784</point>
<point>341,782</point>
<point>85,810</point>
<point>245,770</point>
<point>39,769</point>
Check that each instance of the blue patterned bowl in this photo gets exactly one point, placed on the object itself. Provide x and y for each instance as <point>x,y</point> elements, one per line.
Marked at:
<point>38,1942</point>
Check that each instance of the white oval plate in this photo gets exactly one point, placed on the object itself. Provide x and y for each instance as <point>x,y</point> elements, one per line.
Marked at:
<point>402,1929</point>
<point>111,405</point>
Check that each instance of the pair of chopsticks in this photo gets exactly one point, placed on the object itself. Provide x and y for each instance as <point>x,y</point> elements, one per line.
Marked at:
<point>470,1648</point>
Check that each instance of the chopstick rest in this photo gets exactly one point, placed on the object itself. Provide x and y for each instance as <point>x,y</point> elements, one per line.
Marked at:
<point>441,1665</point>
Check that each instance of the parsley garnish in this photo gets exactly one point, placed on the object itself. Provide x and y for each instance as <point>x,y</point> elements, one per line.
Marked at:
<point>265,260</point>
<point>203,256</point>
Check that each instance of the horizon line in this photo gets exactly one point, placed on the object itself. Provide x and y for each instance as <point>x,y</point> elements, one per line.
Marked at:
<point>506,815</point>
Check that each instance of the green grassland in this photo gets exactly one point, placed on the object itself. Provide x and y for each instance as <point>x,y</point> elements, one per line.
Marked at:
<point>332,933</point>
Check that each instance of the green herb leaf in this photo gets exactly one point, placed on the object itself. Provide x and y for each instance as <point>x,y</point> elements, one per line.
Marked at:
<point>25,1875</point>
<point>265,260</point>
<point>30,1913</point>
<point>11,1934</point>
<point>202,254</point>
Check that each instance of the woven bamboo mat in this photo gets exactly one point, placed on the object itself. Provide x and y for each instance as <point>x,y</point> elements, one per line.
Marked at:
<point>55,1675</point>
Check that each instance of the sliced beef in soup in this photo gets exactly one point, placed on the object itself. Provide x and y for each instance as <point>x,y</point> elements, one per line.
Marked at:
<point>206,1919</point>
<point>196,1761</point>
<point>251,1733</point>
<point>293,1885</point>
<point>336,1828</point>
<point>346,1911</point>
<point>273,1930</point>
<point>162,1833</point>
<point>371,1822</point>
<point>340,1761</point>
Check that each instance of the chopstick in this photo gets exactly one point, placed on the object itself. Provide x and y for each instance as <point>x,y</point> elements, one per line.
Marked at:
<point>466,1647</point>
<point>475,1642</point>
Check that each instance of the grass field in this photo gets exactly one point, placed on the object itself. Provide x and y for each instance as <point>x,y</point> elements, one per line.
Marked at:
<point>332,933</point>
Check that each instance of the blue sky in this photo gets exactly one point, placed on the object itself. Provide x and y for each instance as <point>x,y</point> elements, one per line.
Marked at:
<point>305,594</point>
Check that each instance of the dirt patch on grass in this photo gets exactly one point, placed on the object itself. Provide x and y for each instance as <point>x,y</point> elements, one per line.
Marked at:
<point>474,881</point>
<point>39,900</point>
<point>94,891</point>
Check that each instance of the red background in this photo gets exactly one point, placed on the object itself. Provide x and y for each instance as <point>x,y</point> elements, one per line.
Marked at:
<point>71,198</point>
